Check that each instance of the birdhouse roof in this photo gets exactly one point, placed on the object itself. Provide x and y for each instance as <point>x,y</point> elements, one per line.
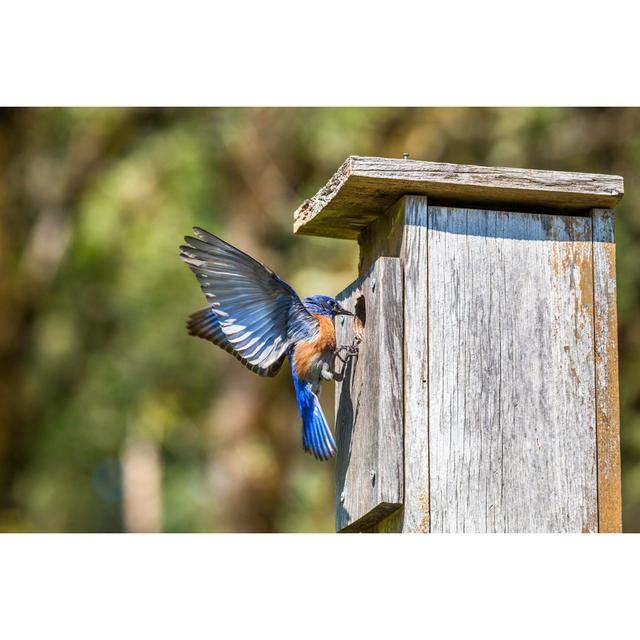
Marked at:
<point>364,188</point>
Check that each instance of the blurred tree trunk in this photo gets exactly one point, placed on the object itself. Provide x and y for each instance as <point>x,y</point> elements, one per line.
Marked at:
<point>142,487</point>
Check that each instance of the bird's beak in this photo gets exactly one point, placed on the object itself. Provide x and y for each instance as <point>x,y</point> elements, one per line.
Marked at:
<point>343,312</point>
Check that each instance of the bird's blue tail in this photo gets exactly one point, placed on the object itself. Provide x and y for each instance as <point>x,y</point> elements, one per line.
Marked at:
<point>316,435</point>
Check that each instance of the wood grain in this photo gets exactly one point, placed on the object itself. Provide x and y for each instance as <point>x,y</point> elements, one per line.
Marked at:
<point>369,401</point>
<point>363,189</point>
<point>511,372</point>
<point>402,233</point>
<point>606,372</point>
<point>416,369</point>
<point>511,409</point>
<point>383,237</point>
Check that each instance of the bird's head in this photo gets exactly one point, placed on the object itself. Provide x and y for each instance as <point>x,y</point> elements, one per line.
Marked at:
<point>325,306</point>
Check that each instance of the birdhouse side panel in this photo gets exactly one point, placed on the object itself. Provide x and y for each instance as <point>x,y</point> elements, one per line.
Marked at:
<point>512,424</point>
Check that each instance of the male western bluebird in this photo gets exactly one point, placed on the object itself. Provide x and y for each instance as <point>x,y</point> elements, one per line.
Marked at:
<point>257,317</point>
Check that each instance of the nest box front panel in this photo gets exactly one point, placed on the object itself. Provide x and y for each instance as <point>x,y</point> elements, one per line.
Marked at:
<point>369,400</point>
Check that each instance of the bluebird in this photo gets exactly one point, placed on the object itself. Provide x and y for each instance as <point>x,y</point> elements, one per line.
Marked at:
<point>257,317</point>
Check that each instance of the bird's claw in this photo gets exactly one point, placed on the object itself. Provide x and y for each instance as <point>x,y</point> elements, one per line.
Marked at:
<point>351,349</point>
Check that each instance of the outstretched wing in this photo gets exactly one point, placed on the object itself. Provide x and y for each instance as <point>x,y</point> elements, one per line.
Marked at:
<point>259,314</point>
<point>204,324</point>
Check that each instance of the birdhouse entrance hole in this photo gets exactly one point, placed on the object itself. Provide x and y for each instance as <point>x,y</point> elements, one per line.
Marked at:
<point>361,316</point>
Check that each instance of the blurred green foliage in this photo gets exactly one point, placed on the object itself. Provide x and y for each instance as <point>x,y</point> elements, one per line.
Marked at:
<point>111,417</point>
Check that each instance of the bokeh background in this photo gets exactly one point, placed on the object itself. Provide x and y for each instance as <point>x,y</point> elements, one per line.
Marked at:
<point>111,417</point>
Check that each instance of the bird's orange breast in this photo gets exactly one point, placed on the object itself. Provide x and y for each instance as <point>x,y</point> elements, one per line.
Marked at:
<point>307,353</point>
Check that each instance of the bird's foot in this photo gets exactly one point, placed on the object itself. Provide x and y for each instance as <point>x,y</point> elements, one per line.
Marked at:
<point>351,350</point>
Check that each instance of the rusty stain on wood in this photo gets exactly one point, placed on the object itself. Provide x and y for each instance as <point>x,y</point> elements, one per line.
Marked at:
<point>424,525</point>
<point>606,372</point>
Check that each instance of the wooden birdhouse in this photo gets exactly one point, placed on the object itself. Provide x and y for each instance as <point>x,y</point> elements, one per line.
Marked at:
<point>485,394</point>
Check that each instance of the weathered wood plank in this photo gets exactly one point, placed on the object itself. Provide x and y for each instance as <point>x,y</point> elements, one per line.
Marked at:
<point>606,372</point>
<point>416,368</point>
<point>363,189</point>
<point>402,233</point>
<point>369,401</point>
<point>393,523</point>
<point>383,237</point>
<point>511,372</point>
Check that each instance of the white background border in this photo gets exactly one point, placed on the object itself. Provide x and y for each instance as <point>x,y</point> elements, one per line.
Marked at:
<point>333,52</point>
<point>318,586</point>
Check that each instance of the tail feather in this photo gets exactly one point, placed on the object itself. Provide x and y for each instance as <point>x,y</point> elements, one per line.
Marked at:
<point>317,438</point>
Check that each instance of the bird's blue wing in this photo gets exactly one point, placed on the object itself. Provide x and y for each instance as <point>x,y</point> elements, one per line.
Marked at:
<point>259,314</point>
<point>204,324</point>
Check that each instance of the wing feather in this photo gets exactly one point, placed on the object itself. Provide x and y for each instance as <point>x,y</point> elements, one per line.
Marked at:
<point>258,314</point>
<point>204,324</point>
